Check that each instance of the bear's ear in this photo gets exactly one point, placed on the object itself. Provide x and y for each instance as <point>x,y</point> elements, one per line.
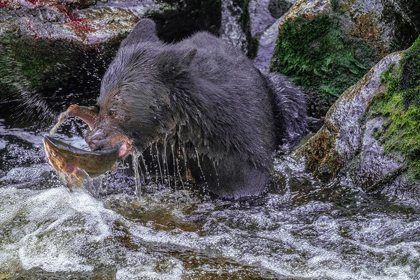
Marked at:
<point>143,31</point>
<point>174,63</point>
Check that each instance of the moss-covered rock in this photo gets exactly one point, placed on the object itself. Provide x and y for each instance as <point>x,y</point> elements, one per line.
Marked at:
<point>36,65</point>
<point>400,107</point>
<point>371,136</point>
<point>327,45</point>
<point>317,55</point>
<point>36,74</point>
<point>345,148</point>
<point>59,47</point>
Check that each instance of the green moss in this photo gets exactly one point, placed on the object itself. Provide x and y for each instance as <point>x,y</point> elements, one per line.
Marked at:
<point>400,106</point>
<point>315,54</point>
<point>336,6</point>
<point>28,64</point>
<point>410,75</point>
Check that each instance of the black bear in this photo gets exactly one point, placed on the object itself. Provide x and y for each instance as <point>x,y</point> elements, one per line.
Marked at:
<point>202,101</point>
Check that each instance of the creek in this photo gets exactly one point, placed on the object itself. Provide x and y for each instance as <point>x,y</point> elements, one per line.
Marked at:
<point>300,229</point>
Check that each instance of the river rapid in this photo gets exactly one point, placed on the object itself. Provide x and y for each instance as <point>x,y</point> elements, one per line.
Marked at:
<point>299,229</point>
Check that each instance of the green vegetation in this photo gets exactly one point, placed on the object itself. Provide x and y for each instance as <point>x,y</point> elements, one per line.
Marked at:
<point>315,54</point>
<point>28,64</point>
<point>400,105</point>
<point>335,5</point>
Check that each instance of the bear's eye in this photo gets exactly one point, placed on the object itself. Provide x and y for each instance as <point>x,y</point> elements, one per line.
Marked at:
<point>112,113</point>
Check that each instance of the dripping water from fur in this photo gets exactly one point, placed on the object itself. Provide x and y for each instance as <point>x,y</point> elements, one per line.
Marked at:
<point>158,162</point>
<point>174,163</point>
<point>177,170</point>
<point>139,177</point>
<point>165,161</point>
<point>157,168</point>
<point>201,169</point>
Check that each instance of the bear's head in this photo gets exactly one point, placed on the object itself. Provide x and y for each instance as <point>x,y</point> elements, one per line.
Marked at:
<point>136,104</point>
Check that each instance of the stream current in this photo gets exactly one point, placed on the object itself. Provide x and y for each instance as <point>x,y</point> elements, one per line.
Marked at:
<point>300,229</point>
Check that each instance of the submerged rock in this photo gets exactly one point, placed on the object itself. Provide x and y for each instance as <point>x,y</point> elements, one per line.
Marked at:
<point>370,138</point>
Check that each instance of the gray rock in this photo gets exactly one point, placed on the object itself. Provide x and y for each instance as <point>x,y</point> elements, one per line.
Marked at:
<point>92,24</point>
<point>264,25</point>
<point>260,16</point>
<point>266,47</point>
<point>230,26</point>
<point>345,148</point>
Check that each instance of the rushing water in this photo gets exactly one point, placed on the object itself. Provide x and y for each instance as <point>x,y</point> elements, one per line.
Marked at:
<point>300,229</point>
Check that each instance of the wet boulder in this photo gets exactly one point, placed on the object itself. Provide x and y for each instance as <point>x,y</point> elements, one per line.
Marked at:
<point>265,17</point>
<point>235,26</point>
<point>60,48</point>
<point>371,134</point>
<point>328,45</point>
<point>50,49</point>
<point>248,25</point>
<point>263,13</point>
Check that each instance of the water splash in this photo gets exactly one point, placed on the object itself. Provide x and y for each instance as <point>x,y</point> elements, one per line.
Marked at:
<point>303,230</point>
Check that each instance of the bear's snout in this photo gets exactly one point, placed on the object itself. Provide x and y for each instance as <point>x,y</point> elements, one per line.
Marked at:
<point>96,139</point>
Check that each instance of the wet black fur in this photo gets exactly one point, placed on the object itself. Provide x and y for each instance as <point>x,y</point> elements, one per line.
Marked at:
<point>206,96</point>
